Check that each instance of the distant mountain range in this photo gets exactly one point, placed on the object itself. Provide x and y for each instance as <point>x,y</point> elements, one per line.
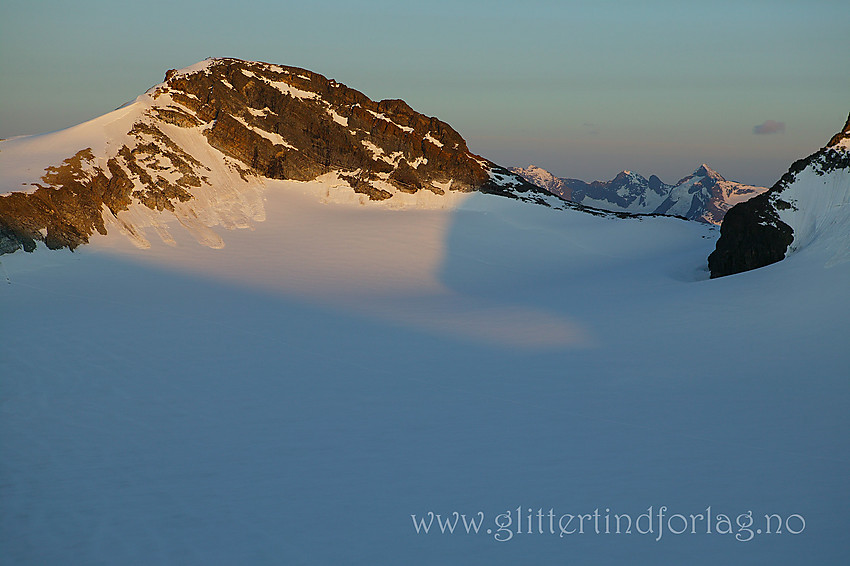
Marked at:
<point>704,195</point>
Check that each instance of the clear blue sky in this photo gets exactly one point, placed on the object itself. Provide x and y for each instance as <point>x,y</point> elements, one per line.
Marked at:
<point>584,89</point>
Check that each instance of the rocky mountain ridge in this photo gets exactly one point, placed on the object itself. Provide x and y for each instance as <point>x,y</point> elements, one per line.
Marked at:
<point>228,122</point>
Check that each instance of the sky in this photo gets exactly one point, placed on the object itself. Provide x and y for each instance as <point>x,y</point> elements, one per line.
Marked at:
<point>584,89</point>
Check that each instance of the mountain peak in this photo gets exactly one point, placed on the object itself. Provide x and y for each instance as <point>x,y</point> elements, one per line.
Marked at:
<point>629,176</point>
<point>706,171</point>
<point>223,123</point>
<point>534,171</point>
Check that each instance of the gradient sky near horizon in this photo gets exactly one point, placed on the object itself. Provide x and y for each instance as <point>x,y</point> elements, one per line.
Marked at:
<point>584,89</point>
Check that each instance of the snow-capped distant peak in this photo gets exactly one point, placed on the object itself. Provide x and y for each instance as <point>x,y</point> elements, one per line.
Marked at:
<point>534,172</point>
<point>630,177</point>
<point>539,176</point>
<point>706,171</point>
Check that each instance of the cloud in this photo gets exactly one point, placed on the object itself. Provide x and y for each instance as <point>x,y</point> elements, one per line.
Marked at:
<point>769,127</point>
<point>590,129</point>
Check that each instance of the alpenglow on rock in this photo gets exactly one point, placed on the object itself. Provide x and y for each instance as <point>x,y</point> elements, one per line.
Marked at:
<point>810,204</point>
<point>223,124</point>
<point>704,195</point>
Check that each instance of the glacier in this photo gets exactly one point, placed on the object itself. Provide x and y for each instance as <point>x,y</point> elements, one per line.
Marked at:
<point>295,395</point>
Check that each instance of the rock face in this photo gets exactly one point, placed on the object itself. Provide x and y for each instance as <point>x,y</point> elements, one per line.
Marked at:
<point>267,121</point>
<point>751,236</point>
<point>704,195</point>
<point>809,202</point>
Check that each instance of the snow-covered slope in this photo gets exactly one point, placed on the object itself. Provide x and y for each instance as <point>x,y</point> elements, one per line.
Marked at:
<point>295,396</point>
<point>820,209</point>
<point>808,206</point>
<point>704,195</point>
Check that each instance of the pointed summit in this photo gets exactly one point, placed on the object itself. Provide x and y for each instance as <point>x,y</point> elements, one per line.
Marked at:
<point>706,171</point>
<point>655,183</point>
<point>842,138</point>
<point>628,176</point>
